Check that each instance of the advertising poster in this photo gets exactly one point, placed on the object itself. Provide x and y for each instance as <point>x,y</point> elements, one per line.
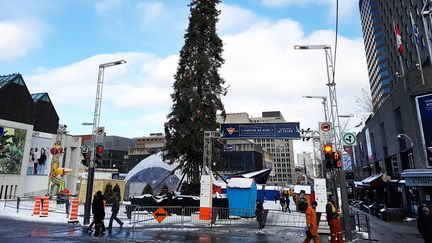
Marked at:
<point>12,143</point>
<point>39,156</point>
<point>424,112</point>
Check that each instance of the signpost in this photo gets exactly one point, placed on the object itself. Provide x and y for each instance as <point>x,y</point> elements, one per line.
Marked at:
<point>325,131</point>
<point>160,214</point>
<point>349,138</point>
<point>100,132</point>
<point>285,130</point>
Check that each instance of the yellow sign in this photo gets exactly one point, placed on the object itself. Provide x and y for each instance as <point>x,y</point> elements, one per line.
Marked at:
<point>160,214</point>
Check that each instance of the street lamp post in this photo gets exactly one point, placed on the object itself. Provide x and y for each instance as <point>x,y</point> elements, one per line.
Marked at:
<point>96,120</point>
<point>334,118</point>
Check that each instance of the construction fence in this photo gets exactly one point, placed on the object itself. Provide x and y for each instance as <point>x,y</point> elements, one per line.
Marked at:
<point>175,216</point>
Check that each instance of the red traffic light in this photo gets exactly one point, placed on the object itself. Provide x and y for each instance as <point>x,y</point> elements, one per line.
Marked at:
<point>327,148</point>
<point>99,149</point>
<point>336,156</point>
<point>339,164</point>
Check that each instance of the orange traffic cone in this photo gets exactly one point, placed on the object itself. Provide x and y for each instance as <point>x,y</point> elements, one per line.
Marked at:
<point>73,217</point>
<point>45,207</point>
<point>37,205</point>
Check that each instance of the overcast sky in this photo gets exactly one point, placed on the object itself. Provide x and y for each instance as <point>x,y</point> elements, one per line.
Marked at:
<point>58,45</point>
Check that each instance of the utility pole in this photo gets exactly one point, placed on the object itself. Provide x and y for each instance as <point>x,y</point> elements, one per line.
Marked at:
<point>96,120</point>
<point>334,119</point>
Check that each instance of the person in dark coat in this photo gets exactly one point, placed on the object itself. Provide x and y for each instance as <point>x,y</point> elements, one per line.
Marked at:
<point>259,214</point>
<point>115,210</point>
<point>287,202</point>
<point>282,203</point>
<point>98,209</point>
<point>424,224</point>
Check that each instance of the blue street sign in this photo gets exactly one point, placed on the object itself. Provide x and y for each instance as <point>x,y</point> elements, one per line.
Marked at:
<point>286,130</point>
<point>1,131</point>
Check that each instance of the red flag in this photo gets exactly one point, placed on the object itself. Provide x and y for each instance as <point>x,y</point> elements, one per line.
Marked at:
<point>398,39</point>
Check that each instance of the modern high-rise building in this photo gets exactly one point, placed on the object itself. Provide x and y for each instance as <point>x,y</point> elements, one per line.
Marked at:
<point>386,67</point>
<point>393,156</point>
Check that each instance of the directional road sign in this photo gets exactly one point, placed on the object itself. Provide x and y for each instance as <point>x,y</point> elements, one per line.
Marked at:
<point>100,132</point>
<point>325,130</point>
<point>85,149</point>
<point>349,138</point>
<point>160,214</point>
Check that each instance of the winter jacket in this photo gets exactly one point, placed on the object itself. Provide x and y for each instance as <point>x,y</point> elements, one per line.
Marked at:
<point>424,226</point>
<point>98,208</point>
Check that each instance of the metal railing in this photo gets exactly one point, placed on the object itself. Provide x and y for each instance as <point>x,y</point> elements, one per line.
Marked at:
<point>176,216</point>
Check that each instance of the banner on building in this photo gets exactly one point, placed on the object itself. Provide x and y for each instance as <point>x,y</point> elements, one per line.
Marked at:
<point>12,144</point>
<point>424,114</point>
<point>40,156</point>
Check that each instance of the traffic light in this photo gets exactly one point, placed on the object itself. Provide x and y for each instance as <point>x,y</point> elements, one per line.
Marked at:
<point>328,156</point>
<point>99,155</point>
<point>85,160</point>
<point>337,163</point>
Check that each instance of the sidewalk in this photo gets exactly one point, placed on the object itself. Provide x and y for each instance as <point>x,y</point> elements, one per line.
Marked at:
<point>393,232</point>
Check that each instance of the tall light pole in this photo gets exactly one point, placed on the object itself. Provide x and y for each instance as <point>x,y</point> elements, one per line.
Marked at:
<point>324,102</point>
<point>317,146</point>
<point>334,118</point>
<point>96,120</point>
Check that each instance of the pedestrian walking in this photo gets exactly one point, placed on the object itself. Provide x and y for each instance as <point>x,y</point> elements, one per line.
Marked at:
<point>424,224</point>
<point>115,209</point>
<point>282,203</point>
<point>333,220</point>
<point>311,221</point>
<point>287,202</point>
<point>259,212</point>
<point>98,209</point>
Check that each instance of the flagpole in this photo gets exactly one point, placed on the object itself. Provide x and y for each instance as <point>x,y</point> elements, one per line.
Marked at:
<point>427,33</point>
<point>399,52</point>
<point>416,37</point>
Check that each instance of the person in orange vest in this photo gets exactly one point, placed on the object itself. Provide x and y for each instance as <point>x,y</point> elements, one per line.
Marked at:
<point>311,221</point>
<point>333,220</point>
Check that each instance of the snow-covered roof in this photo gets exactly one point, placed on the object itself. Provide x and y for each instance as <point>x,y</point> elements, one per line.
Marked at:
<point>240,183</point>
<point>252,174</point>
<point>298,188</point>
<point>154,160</point>
<point>220,184</point>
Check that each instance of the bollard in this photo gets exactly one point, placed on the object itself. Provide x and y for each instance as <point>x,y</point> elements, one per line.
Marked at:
<point>18,203</point>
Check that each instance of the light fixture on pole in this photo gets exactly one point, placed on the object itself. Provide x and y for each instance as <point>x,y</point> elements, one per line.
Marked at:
<point>400,135</point>
<point>324,102</point>
<point>96,120</point>
<point>334,119</point>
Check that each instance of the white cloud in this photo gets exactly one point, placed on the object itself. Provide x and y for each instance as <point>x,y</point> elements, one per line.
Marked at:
<point>234,19</point>
<point>20,37</point>
<point>262,68</point>
<point>150,11</point>
<point>104,6</point>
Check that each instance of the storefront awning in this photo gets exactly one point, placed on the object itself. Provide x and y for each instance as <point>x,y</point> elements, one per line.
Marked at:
<point>373,181</point>
<point>417,177</point>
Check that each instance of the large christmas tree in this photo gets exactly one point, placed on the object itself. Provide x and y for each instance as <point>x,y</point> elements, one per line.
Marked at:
<point>197,90</point>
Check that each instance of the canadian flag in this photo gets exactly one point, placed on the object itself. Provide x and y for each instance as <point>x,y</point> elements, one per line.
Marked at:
<point>398,39</point>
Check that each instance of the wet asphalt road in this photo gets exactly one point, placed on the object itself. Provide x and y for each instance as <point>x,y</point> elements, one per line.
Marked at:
<point>12,230</point>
